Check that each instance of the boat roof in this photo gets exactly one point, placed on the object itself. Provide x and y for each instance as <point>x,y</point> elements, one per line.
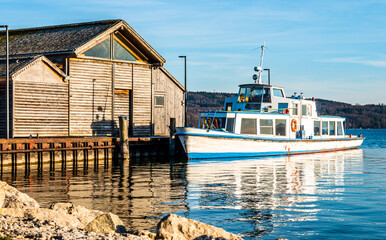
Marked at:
<point>252,85</point>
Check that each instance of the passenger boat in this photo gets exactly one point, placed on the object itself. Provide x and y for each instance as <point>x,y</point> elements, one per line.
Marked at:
<point>263,121</point>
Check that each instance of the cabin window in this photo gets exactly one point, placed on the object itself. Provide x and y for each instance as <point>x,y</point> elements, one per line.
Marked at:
<point>277,92</point>
<point>309,109</point>
<point>229,124</point>
<point>159,100</point>
<point>332,128</point>
<point>324,128</point>
<point>304,110</point>
<point>101,50</point>
<point>256,95</point>
<point>267,95</point>
<point>280,127</point>
<point>253,106</point>
<point>266,126</point>
<point>295,109</point>
<point>228,106</point>
<point>316,128</point>
<point>339,129</point>
<point>248,126</point>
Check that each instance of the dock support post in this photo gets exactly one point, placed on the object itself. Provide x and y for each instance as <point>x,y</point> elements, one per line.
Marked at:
<point>124,137</point>
<point>172,143</point>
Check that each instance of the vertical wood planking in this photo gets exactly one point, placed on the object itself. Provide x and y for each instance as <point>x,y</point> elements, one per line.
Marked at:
<point>142,100</point>
<point>90,99</point>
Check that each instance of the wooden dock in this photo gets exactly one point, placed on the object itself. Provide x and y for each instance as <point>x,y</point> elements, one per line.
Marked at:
<point>29,151</point>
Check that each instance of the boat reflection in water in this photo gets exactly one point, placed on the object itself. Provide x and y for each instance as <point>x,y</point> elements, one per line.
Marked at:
<point>263,193</point>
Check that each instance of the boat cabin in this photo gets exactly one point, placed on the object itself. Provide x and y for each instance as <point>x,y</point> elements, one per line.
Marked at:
<point>265,111</point>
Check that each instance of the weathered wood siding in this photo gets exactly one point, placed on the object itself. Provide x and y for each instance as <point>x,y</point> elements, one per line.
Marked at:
<point>123,75</point>
<point>142,100</point>
<point>173,98</point>
<point>3,108</point>
<point>40,102</point>
<point>90,98</point>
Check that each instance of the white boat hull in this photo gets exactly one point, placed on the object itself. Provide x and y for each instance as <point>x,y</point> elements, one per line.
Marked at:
<point>200,143</point>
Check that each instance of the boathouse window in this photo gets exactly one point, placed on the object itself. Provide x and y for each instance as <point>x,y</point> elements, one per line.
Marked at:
<point>332,127</point>
<point>316,128</point>
<point>248,126</point>
<point>324,128</point>
<point>229,125</point>
<point>339,129</point>
<point>101,50</point>
<point>266,126</point>
<point>159,100</point>
<point>121,52</point>
<point>280,127</point>
<point>277,92</point>
<point>295,109</point>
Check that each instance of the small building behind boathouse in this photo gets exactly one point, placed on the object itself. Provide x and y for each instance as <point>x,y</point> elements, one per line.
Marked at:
<point>77,79</point>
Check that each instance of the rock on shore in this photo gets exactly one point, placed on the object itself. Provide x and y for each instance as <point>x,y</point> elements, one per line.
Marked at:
<point>21,217</point>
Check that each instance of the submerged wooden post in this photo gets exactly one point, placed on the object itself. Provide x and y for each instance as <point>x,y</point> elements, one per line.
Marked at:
<point>172,143</point>
<point>124,137</point>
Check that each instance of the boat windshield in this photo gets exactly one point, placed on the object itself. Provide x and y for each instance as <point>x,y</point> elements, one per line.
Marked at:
<point>259,94</point>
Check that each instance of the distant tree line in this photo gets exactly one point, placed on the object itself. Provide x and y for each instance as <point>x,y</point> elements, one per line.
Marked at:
<point>357,116</point>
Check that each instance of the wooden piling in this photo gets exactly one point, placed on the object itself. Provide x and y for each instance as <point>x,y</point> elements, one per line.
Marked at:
<point>172,130</point>
<point>124,137</point>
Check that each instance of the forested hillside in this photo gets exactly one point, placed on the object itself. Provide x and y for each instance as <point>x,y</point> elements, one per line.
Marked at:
<point>357,116</point>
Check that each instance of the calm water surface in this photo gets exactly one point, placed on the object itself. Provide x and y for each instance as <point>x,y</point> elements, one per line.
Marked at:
<point>339,195</point>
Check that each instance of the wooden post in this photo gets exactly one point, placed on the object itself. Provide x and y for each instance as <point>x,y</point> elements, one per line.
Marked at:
<point>172,130</point>
<point>124,137</point>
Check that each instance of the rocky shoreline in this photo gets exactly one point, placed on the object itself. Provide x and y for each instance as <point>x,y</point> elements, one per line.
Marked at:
<point>21,217</point>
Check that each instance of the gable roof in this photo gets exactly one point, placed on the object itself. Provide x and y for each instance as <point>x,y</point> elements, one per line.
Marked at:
<point>70,38</point>
<point>16,66</point>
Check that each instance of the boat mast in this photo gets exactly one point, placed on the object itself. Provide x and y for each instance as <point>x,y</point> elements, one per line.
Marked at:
<point>260,68</point>
<point>261,63</point>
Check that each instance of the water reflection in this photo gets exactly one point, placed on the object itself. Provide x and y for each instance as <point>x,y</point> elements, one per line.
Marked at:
<point>265,192</point>
<point>251,197</point>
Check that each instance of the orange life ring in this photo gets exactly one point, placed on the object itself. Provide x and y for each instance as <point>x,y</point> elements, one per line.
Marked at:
<point>294,125</point>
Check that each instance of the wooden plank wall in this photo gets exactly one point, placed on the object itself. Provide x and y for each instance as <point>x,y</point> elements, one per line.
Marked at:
<point>142,98</point>
<point>90,98</point>
<point>173,108</point>
<point>91,103</point>
<point>40,108</point>
<point>123,75</point>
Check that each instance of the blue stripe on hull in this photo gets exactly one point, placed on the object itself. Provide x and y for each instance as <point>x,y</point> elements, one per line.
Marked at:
<point>256,154</point>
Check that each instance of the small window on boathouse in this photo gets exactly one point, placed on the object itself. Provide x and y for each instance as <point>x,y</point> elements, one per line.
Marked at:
<point>248,126</point>
<point>316,128</point>
<point>339,129</point>
<point>332,128</point>
<point>229,124</point>
<point>324,128</point>
<point>280,127</point>
<point>266,126</point>
<point>159,100</point>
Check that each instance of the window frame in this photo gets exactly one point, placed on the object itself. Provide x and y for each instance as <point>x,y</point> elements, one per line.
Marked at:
<point>261,126</point>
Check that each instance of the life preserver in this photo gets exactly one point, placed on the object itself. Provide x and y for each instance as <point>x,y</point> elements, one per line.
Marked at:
<point>294,125</point>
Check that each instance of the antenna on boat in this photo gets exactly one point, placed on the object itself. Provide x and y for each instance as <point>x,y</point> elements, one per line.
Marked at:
<point>260,68</point>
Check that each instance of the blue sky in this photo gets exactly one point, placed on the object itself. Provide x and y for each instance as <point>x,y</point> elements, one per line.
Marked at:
<point>328,49</point>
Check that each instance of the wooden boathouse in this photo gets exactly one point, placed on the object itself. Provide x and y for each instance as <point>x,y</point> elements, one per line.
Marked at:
<point>75,80</point>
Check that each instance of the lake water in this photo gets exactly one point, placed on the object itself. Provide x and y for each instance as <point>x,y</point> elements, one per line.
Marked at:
<point>338,195</point>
